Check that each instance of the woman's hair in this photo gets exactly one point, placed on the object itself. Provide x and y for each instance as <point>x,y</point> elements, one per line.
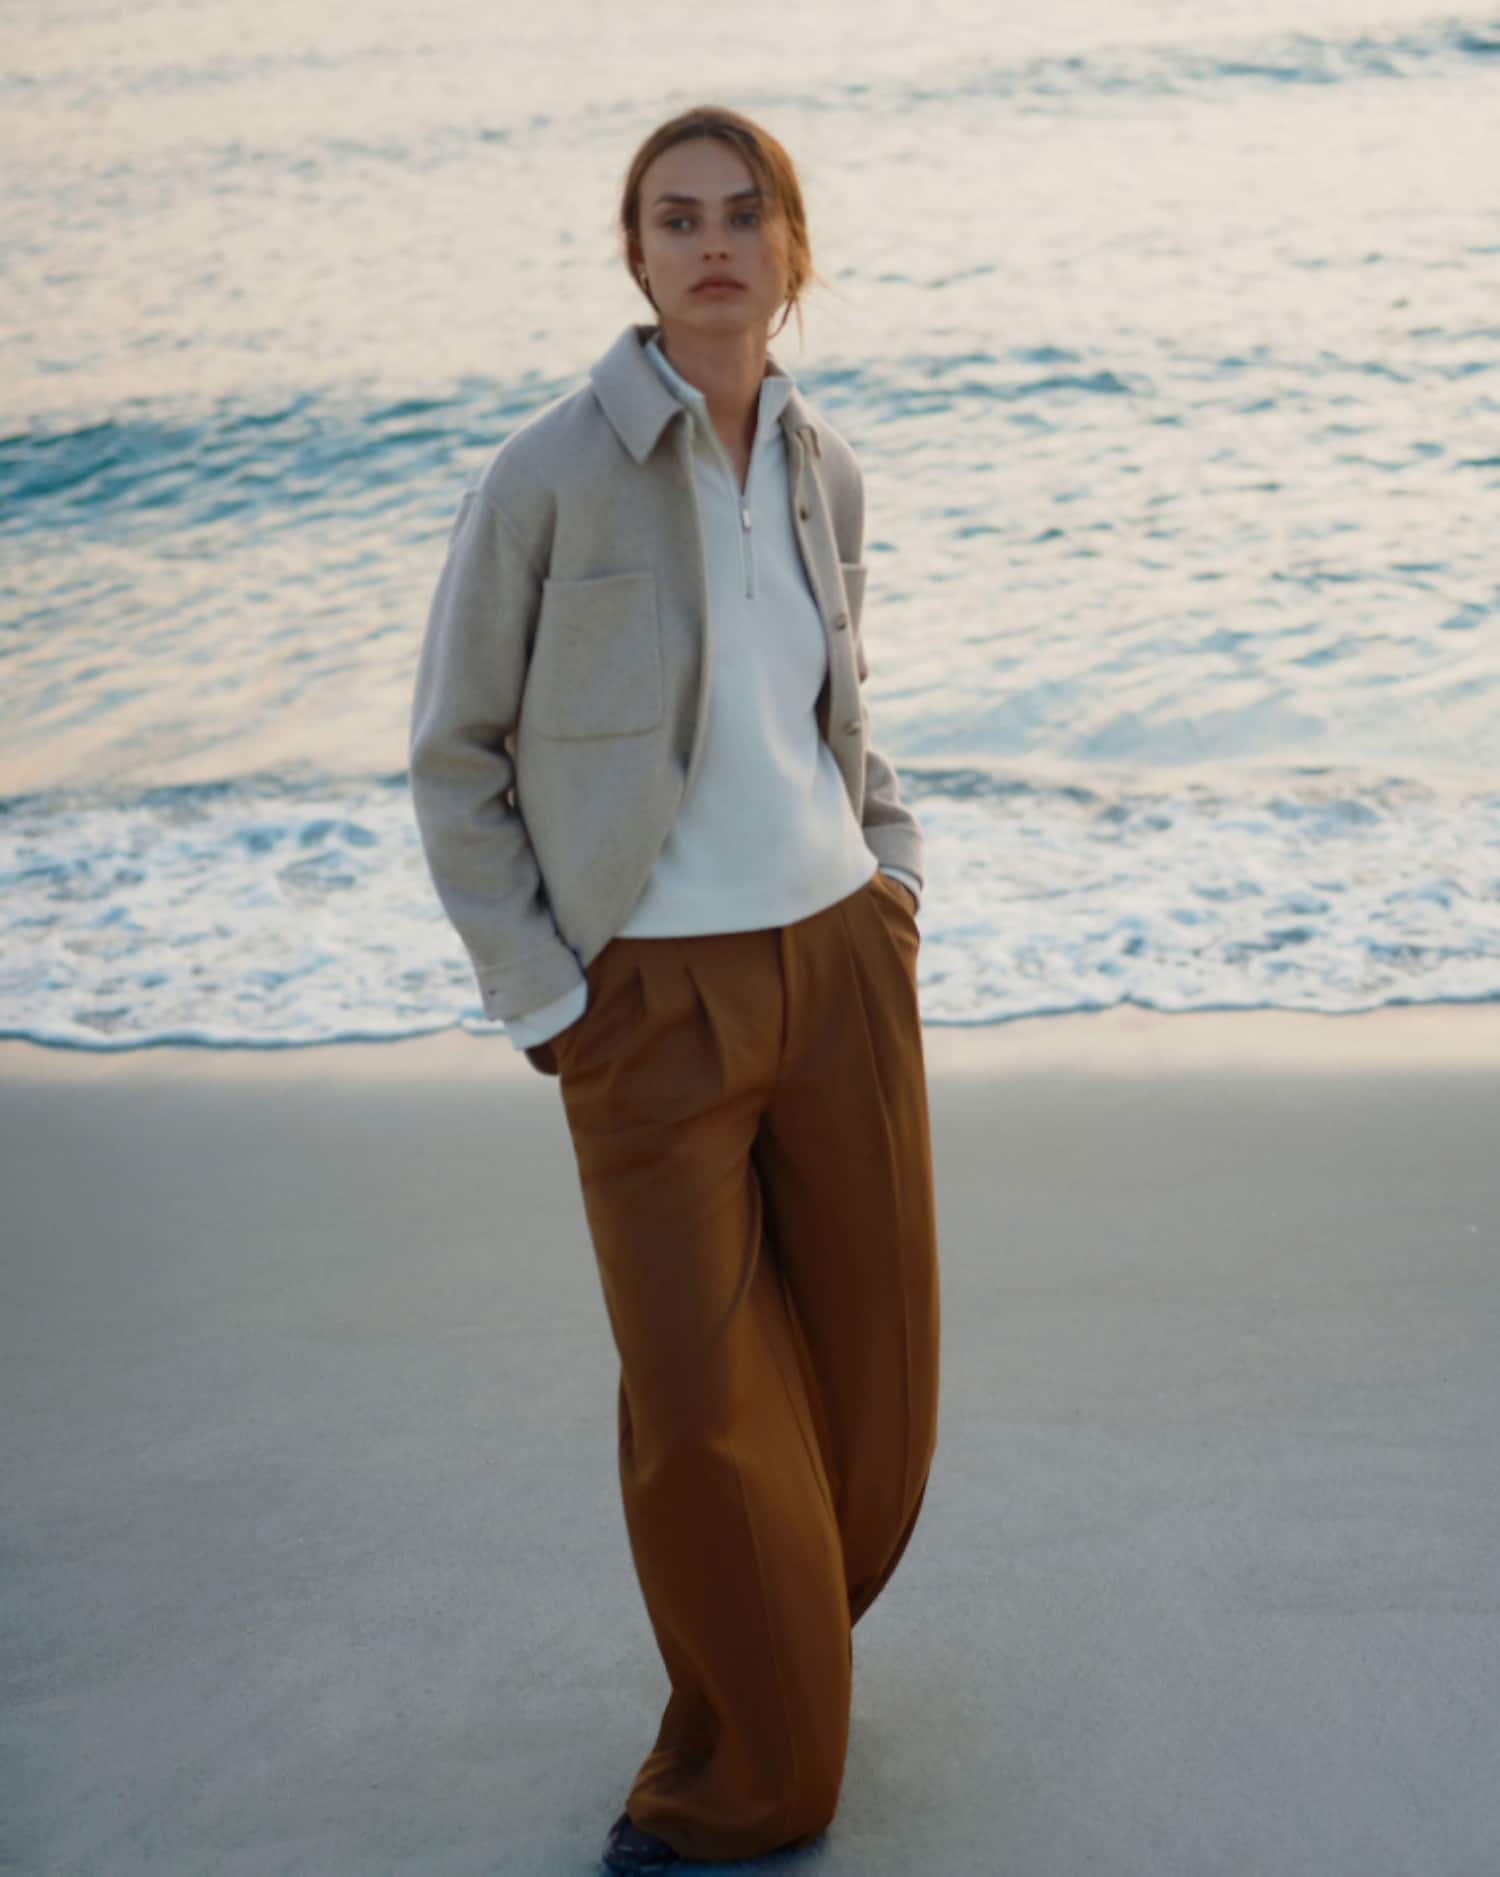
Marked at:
<point>775,176</point>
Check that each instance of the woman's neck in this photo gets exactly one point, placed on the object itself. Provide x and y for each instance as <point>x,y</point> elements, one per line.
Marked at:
<point>728,369</point>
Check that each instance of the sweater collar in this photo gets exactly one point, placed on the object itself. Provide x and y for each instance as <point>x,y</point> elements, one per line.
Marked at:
<point>774,389</point>
<point>638,401</point>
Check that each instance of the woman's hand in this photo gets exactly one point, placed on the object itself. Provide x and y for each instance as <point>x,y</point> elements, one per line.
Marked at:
<point>541,1056</point>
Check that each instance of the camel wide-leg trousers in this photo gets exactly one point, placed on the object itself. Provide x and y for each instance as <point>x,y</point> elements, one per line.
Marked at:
<point>749,1115</point>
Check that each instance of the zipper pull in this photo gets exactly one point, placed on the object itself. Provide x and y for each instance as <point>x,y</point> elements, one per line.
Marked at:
<point>745,516</point>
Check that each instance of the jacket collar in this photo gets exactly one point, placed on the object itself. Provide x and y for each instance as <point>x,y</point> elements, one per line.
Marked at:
<point>636,400</point>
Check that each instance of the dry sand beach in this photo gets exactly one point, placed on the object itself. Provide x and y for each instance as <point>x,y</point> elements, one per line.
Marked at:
<point>313,1555</point>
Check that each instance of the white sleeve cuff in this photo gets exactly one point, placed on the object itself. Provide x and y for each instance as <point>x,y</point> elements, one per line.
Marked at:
<point>538,1025</point>
<point>909,880</point>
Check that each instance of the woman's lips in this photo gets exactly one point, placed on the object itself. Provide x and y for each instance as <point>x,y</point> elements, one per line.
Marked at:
<point>718,286</point>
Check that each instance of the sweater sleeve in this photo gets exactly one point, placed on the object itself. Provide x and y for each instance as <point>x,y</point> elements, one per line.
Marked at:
<point>464,710</point>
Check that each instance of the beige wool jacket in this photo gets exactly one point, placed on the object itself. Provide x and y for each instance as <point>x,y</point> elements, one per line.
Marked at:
<point>562,680</point>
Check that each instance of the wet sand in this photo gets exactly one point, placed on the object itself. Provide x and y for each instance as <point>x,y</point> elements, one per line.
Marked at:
<point>313,1557</point>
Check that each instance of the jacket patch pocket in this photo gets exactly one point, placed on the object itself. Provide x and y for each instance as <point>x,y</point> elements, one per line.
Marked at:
<point>595,667</point>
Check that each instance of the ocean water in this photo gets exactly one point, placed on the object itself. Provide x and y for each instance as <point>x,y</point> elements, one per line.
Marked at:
<point>1168,341</point>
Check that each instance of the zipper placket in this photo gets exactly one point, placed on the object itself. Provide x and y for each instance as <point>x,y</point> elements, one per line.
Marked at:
<point>742,503</point>
<point>747,540</point>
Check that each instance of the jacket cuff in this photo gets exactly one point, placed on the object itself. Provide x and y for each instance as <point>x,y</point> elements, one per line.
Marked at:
<point>897,845</point>
<point>522,988</point>
<point>538,1026</point>
<point>909,880</point>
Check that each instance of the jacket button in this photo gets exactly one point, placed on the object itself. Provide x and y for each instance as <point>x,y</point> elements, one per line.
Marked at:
<point>840,622</point>
<point>805,513</point>
<point>851,729</point>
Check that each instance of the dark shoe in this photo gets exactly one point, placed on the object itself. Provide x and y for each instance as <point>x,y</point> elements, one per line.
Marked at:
<point>628,1848</point>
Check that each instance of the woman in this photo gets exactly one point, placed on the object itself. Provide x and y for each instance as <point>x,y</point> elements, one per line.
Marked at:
<point>641,768</point>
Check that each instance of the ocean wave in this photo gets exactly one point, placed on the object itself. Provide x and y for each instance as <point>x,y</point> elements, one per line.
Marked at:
<point>197,468</point>
<point>327,451</point>
<point>318,452</point>
<point>1205,64</point>
<point>269,912</point>
<point>1195,68</point>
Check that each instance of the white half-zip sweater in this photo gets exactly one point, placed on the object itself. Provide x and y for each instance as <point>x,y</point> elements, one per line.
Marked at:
<point>766,833</point>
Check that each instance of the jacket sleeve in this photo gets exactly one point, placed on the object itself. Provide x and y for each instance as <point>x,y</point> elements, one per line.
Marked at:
<point>466,704</point>
<point>891,830</point>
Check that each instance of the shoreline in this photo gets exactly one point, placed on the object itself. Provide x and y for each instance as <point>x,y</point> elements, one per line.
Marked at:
<point>1122,1040</point>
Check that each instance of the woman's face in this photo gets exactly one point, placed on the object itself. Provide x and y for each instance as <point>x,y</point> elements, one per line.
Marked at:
<point>703,219</point>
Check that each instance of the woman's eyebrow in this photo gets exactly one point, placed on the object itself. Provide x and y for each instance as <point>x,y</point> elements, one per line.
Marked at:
<point>740,195</point>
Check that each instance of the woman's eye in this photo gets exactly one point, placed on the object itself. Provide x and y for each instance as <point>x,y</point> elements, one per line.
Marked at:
<point>749,218</point>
